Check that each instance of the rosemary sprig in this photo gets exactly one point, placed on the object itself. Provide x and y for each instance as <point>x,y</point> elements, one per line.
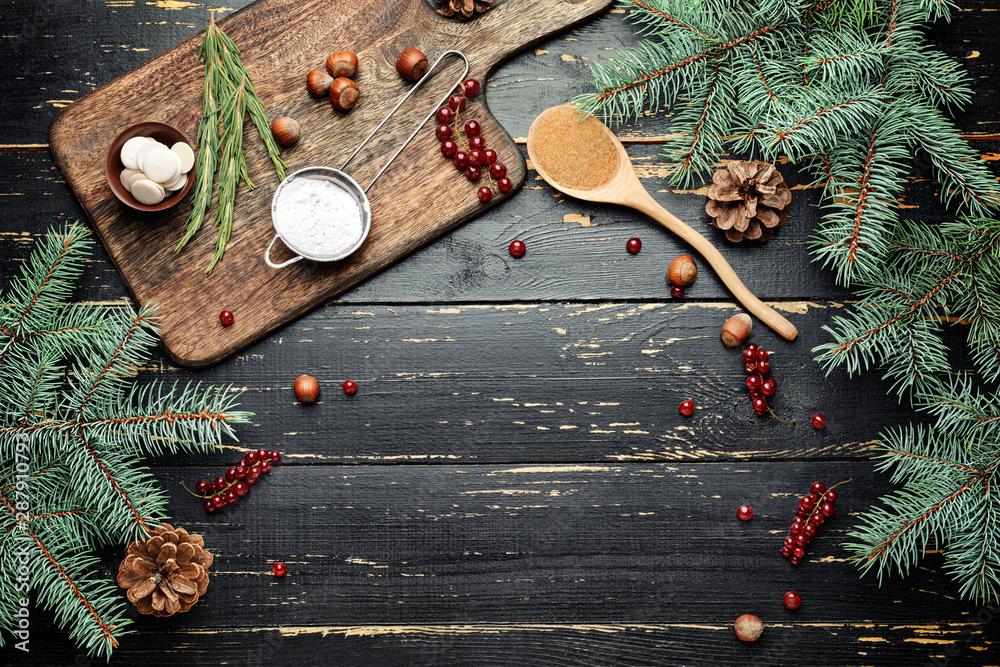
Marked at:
<point>228,96</point>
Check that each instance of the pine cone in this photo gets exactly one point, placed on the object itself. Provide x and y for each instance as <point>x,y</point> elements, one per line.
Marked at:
<point>462,9</point>
<point>748,200</point>
<point>167,573</point>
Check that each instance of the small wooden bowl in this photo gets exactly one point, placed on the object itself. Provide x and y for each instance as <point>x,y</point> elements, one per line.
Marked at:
<point>113,163</point>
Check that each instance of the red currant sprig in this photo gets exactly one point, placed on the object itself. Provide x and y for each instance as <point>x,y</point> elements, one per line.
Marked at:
<point>477,159</point>
<point>760,383</point>
<point>814,509</point>
<point>227,490</point>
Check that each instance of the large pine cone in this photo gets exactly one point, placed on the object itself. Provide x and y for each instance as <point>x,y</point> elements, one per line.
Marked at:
<point>748,200</point>
<point>167,573</point>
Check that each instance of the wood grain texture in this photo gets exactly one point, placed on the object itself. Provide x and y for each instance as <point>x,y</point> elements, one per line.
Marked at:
<point>412,203</point>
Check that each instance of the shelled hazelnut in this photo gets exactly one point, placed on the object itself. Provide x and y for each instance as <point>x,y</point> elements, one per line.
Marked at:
<point>318,83</point>
<point>286,130</point>
<point>737,330</point>
<point>344,94</point>
<point>342,63</point>
<point>411,64</point>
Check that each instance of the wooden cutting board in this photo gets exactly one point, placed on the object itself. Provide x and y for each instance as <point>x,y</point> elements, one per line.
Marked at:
<point>419,198</point>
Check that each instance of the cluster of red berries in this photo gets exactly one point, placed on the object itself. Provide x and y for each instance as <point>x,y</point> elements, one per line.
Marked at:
<point>759,381</point>
<point>814,509</point>
<point>227,490</point>
<point>477,158</point>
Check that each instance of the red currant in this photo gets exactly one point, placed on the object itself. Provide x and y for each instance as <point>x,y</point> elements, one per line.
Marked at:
<point>485,194</point>
<point>226,318</point>
<point>750,368</point>
<point>809,530</point>
<point>471,87</point>
<point>262,454</point>
<point>744,512</point>
<point>762,354</point>
<point>686,408</point>
<point>831,496</point>
<point>473,128</point>
<point>517,248</point>
<point>442,132</point>
<point>754,383</point>
<point>265,466</point>
<point>634,245</point>
<point>760,406</point>
<point>253,476</point>
<point>279,569</point>
<point>826,509</point>
<point>350,387</point>
<point>231,497</point>
<point>241,470</point>
<point>504,184</point>
<point>755,394</point>
<point>445,115</point>
<point>792,600</point>
<point>241,488</point>
<point>491,155</point>
<point>818,421</point>
<point>231,474</point>
<point>473,173</point>
<point>250,458</point>
<point>789,542</point>
<point>478,143</point>
<point>457,102</point>
<point>809,500</point>
<point>750,354</point>
<point>795,561</point>
<point>786,551</point>
<point>768,387</point>
<point>209,506</point>
<point>476,157</point>
<point>220,483</point>
<point>461,160</point>
<point>677,291</point>
<point>764,368</point>
<point>202,487</point>
<point>218,501</point>
<point>449,148</point>
<point>819,488</point>
<point>798,552</point>
<point>498,169</point>
<point>275,456</point>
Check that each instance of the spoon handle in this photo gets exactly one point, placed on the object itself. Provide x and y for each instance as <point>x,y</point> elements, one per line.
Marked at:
<point>644,202</point>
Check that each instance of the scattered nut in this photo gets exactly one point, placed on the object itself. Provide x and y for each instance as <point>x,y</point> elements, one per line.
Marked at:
<point>344,94</point>
<point>737,330</point>
<point>286,130</point>
<point>318,83</point>
<point>682,271</point>
<point>306,388</point>
<point>411,64</point>
<point>342,63</point>
<point>748,627</point>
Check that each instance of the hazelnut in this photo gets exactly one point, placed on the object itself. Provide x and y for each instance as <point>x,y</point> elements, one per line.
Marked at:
<point>318,83</point>
<point>411,64</point>
<point>682,271</point>
<point>286,130</point>
<point>748,627</point>
<point>342,63</point>
<point>737,330</point>
<point>344,94</point>
<point>306,388</point>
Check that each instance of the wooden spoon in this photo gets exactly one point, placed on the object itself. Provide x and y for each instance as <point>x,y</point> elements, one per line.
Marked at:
<point>560,149</point>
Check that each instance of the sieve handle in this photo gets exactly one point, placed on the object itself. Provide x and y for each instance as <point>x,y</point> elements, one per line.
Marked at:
<point>267,256</point>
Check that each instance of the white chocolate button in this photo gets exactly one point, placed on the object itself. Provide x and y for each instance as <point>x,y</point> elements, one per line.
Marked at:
<point>176,184</point>
<point>135,176</point>
<point>126,178</point>
<point>147,192</point>
<point>186,155</point>
<point>130,149</point>
<point>160,164</point>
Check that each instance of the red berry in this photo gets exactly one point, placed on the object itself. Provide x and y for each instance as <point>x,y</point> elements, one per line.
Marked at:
<point>754,383</point>
<point>241,470</point>
<point>442,132</point>
<point>202,487</point>
<point>350,387</point>
<point>461,160</point>
<point>504,184</point>
<point>750,354</point>
<point>809,500</point>
<point>253,476</point>
<point>231,474</point>
<point>279,569</point>
<point>786,551</point>
<point>476,157</point>
<point>802,511</point>
<point>491,155</point>
<point>819,488</point>
<point>798,552</point>
<point>473,128</point>
<point>241,488</point>
<point>218,501</point>
<point>826,509</point>
<point>262,454</point>
<point>789,542</point>
<point>517,248</point>
<point>795,561</point>
<point>769,387</point>
<point>818,421</point>
<point>449,148</point>
<point>250,458</point>
<point>809,530</point>
<point>792,600</point>
<point>485,194</point>
<point>498,169</point>
<point>801,540</point>
<point>817,520</point>
<point>744,512</point>
<point>231,497</point>
<point>676,291</point>
<point>750,368</point>
<point>445,115</point>
<point>686,408</point>
<point>764,368</point>
<point>457,102</point>
<point>755,394</point>
<point>473,173</point>
<point>634,245</point>
<point>220,483</point>
<point>471,87</point>
<point>794,530</point>
<point>209,506</point>
<point>831,497</point>
<point>478,143</point>
<point>761,354</point>
<point>760,406</point>
<point>275,456</point>
<point>265,466</point>
<point>226,318</point>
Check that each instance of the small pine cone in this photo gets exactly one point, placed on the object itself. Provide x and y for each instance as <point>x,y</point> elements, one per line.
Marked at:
<point>748,200</point>
<point>462,9</point>
<point>167,573</point>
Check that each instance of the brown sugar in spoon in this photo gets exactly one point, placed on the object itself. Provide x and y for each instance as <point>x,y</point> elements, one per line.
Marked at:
<point>581,157</point>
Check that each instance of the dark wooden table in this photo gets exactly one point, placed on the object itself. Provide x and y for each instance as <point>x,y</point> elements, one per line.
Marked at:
<point>512,483</point>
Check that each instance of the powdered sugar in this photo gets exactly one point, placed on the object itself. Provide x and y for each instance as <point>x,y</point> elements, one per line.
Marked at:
<point>317,217</point>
